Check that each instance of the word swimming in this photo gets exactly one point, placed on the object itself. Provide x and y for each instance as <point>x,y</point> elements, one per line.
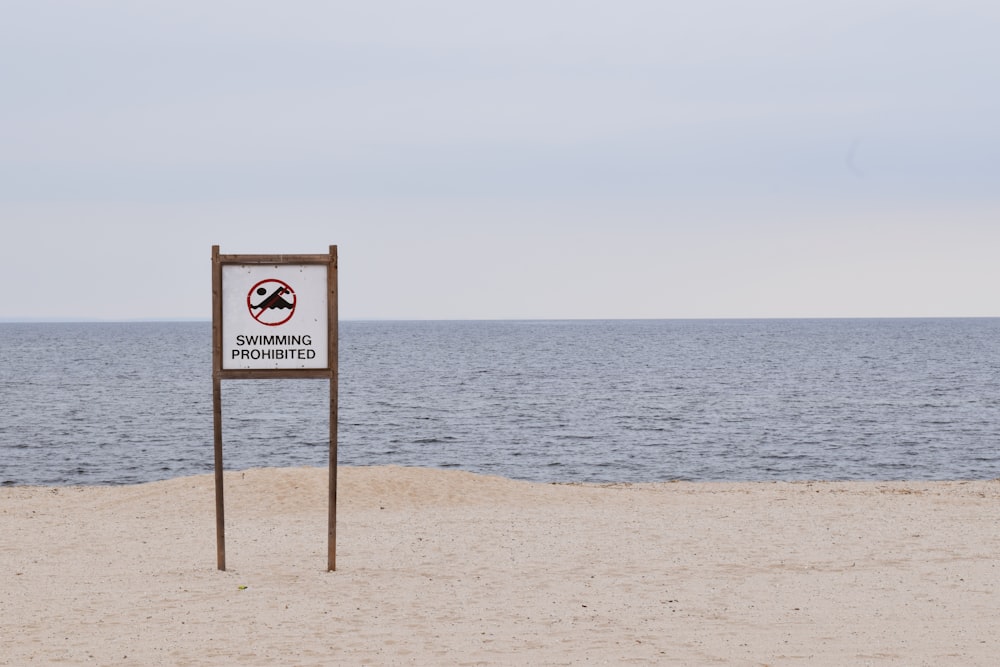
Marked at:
<point>283,347</point>
<point>284,341</point>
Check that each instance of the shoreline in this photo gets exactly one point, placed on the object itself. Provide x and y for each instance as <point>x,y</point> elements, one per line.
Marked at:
<point>487,475</point>
<point>452,567</point>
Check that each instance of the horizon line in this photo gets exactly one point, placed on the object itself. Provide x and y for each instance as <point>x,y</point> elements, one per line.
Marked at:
<point>138,320</point>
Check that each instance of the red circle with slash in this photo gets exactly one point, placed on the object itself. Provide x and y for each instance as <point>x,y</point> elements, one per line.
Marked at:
<point>271,302</point>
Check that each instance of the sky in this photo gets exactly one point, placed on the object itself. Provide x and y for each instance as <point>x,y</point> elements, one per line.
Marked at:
<point>479,160</point>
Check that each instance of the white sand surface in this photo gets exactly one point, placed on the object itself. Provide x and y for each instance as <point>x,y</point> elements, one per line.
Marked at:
<point>450,568</point>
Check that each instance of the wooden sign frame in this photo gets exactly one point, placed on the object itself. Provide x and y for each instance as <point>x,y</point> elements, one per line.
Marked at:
<point>220,373</point>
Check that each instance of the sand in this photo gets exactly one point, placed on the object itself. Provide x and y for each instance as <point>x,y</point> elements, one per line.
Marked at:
<point>450,568</point>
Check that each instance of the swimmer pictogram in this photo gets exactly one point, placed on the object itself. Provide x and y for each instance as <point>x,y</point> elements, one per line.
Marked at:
<point>271,302</point>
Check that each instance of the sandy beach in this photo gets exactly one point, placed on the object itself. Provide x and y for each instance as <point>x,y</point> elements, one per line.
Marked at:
<point>450,568</point>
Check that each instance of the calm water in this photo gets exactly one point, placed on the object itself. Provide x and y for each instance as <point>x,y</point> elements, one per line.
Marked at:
<point>542,400</point>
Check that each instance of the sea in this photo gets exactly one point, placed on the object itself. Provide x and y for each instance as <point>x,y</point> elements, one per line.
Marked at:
<point>602,401</point>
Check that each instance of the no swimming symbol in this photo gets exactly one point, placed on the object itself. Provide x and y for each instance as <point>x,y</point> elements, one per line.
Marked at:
<point>271,302</point>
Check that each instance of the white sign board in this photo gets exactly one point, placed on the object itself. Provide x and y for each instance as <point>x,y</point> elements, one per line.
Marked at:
<point>274,316</point>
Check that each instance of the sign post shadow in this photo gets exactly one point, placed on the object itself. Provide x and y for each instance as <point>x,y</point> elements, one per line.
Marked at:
<point>274,316</point>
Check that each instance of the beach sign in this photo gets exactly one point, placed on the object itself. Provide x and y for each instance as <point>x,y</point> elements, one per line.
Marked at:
<point>274,316</point>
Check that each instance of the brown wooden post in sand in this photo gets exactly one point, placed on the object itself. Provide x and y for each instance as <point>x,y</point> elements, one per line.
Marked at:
<point>334,355</point>
<point>274,316</point>
<point>220,509</point>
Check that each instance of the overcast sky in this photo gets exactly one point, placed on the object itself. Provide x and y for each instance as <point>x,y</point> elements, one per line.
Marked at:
<point>542,159</point>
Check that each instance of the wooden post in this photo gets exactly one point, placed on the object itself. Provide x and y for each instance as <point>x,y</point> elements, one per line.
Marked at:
<point>331,556</point>
<point>220,520</point>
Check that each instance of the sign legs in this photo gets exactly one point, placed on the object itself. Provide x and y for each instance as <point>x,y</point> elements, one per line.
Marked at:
<point>331,550</point>
<point>220,521</point>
